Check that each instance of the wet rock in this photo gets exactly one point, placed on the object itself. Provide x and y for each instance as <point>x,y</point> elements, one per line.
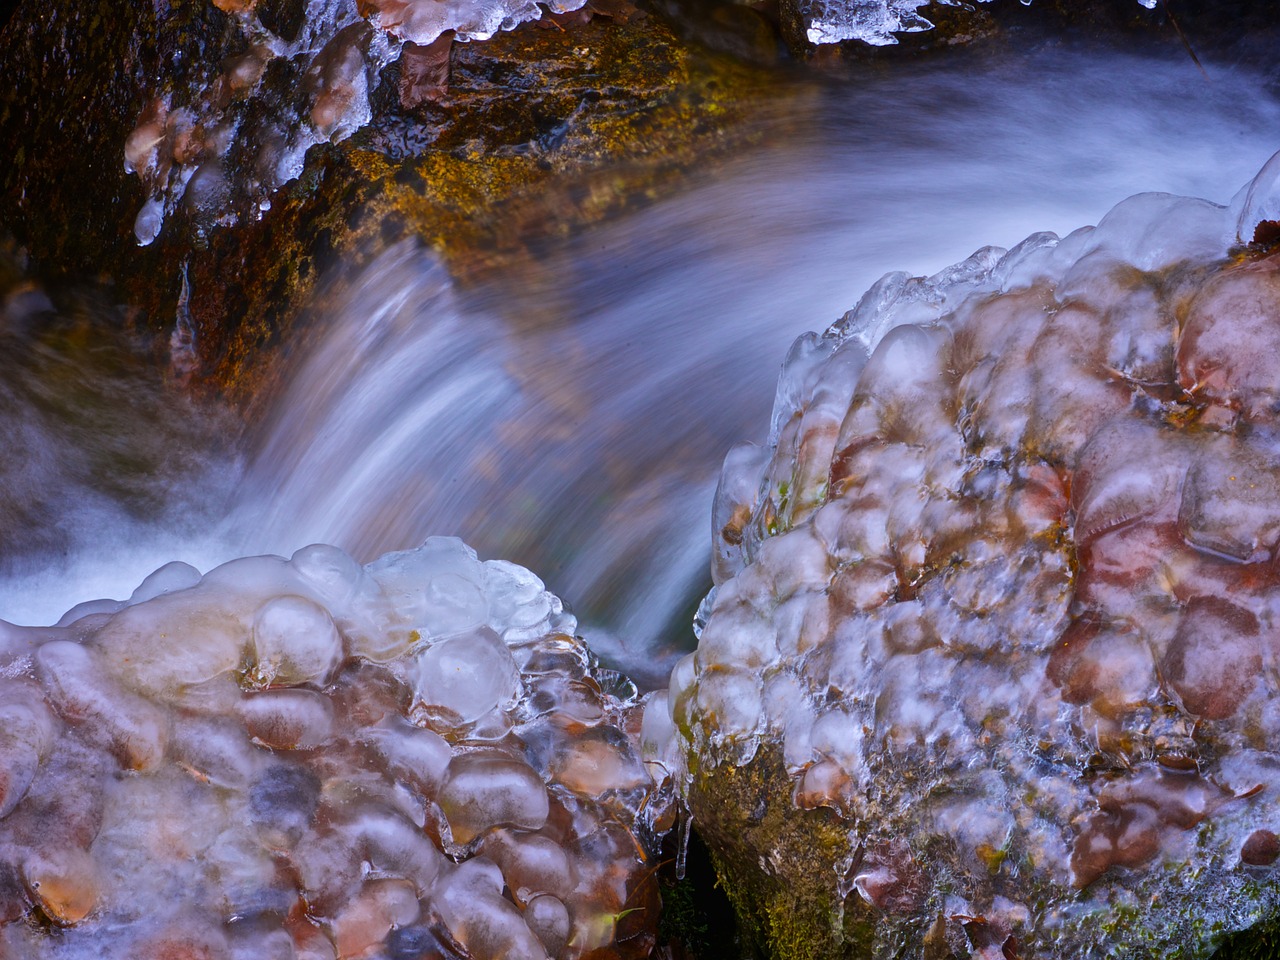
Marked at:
<point>288,797</point>
<point>250,148</point>
<point>989,662</point>
<point>223,135</point>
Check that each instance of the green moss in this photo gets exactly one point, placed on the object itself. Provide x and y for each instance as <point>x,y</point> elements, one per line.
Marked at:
<point>1259,943</point>
<point>683,918</point>
<point>775,862</point>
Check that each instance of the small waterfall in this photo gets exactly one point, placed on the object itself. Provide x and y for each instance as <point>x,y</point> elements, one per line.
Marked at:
<point>572,418</point>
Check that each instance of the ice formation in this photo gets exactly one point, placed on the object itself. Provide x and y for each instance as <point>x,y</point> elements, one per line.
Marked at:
<point>314,759</point>
<point>1003,591</point>
<point>223,141</point>
<point>873,21</point>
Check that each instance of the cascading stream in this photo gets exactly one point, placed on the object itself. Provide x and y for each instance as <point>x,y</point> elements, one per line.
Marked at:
<point>574,419</point>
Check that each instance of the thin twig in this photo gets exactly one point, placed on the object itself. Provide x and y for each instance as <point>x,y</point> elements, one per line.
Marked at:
<point>1164,5</point>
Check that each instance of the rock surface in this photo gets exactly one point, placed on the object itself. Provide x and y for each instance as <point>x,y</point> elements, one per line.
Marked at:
<point>990,667</point>
<point>534,130</point>
<point>314,759</point>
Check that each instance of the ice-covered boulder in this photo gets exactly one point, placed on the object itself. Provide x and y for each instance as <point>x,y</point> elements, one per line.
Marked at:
<point>990,666</point>
<point>308,758</point>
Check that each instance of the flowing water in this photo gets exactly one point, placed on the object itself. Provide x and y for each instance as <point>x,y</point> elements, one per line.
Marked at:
<point>573,419</point>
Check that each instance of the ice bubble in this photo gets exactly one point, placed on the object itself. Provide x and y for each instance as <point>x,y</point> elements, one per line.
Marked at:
<point>310,944</point>
<point>64,882</point>
<point>466,676</point>
<point>488,926</point>
<point>174,641</point>
<point>1258,202</point>
<point>548,918</point>
<point>730,703</point>
<point>1262,849</point>
<point>330,867</point>
<point>1231,501</point>
<point>244,876</point>
<point>517,598</point>
<point>379,908</point>
<point>215,750</point>
<point>288,719</point>
<point>1107,665</point>
<point>88,608</point>
<point>259,941</point>
<point>396,848</point>
<point>734,503</point>
<point>1232,321</point>
<point>738,635</point>
<point>282,803</point>
<point>141,145</point>
<point>1127,472</point>
<point>838,735</point>
<point>658,738</point>
<point>168,579</point>
<point>411,753</point>
<point>1215,657</point>
<point>532,864</point>
<point>566,698</point>
<point>146,226</point>
<point>488,790</point>
<point>681,692</point>
<point>1153,231</point>
<point>334,576</point>
<point>598,762</point>
<point>437,587</point>
<point>184,936</point>
<point>1028,263</point>
<point>294,642</point>
<point>422,21</point>
<point>136,730</point>
<point>27,729</point>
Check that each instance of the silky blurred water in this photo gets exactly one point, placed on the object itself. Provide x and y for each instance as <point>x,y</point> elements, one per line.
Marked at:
<point>573,418</point>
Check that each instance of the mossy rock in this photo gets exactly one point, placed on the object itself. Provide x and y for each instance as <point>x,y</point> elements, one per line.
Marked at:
<point>543,129</point>
<point>779,866</point>
<point>777,863</point>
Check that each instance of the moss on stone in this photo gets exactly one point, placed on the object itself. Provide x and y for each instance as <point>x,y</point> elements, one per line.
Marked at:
<point>777,863</point>
<point>1259,943</point>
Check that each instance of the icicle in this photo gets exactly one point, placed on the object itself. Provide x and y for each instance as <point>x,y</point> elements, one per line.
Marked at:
<point>182,342</point>
<point>686,827</point>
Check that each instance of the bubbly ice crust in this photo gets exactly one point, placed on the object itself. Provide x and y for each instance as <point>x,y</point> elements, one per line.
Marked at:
<point>308,758</point>
<point>1003,589</point>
